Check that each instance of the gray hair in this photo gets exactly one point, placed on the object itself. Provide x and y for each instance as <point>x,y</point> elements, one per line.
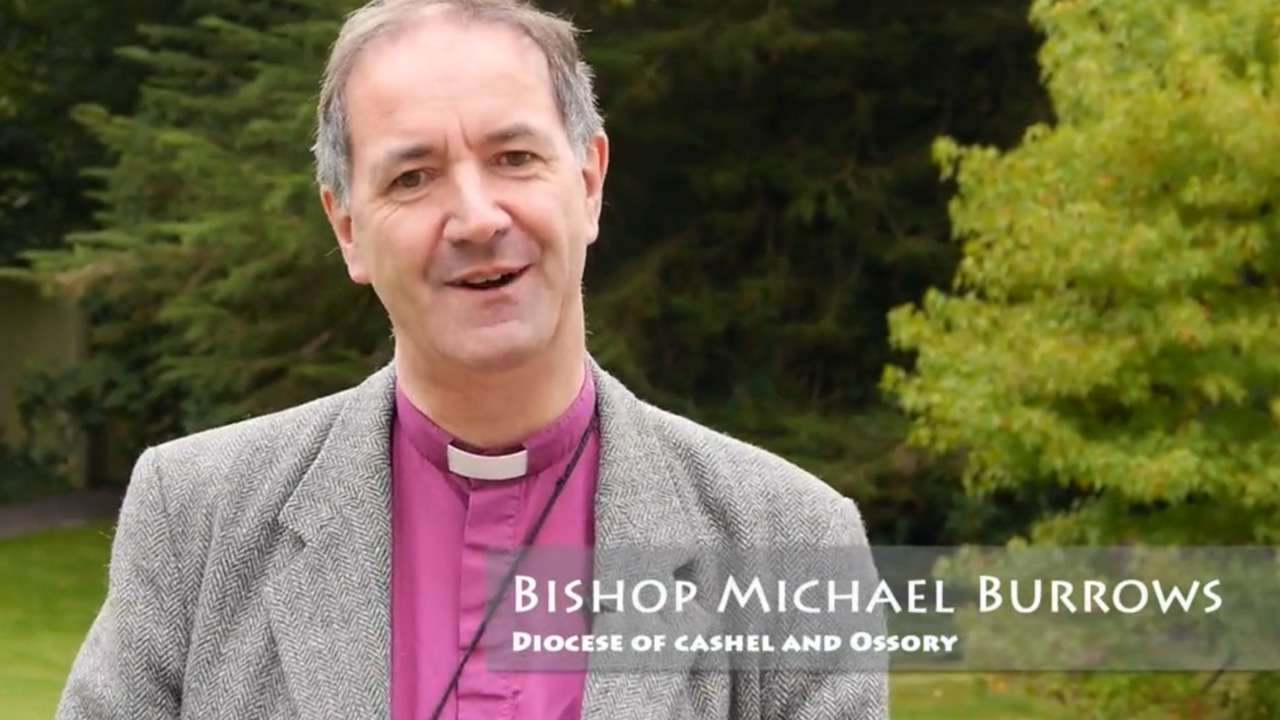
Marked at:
<point>556,37</point>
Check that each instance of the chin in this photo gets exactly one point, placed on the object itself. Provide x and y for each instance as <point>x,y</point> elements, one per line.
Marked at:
<point>496,349</point>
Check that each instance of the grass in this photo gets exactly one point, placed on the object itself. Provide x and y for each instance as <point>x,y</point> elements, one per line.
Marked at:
<point>960,696</point>
<point>52,585</point>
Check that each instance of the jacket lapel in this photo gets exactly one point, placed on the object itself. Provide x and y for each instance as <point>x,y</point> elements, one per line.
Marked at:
<point>644,505</point>
<point>329,592</point>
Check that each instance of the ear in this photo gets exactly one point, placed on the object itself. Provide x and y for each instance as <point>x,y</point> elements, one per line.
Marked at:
<point>340,220</point>
<point>594,168</point>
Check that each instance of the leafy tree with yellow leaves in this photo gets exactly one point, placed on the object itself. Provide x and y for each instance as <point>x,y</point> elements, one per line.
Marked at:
<point>1114,325</point>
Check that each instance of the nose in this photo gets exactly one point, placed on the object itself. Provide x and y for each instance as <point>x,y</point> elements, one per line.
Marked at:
<point>475,216</point>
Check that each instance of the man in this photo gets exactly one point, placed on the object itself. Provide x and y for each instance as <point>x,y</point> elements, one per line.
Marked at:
<point>328,561</point>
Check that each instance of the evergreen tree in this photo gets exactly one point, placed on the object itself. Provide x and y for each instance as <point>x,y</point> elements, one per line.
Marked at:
<point>54,54</point>
<point>773,196</point>
<point>213,283</point>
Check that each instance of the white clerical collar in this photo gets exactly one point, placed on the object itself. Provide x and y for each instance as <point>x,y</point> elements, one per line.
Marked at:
<point>487,467</point>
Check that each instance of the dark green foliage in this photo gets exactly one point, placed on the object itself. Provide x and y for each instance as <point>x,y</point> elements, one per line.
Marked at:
<point>53,54</point>
<point>774,173</point>
<point>23,478</point>
<point>773,196</point>
<point>215,266</point>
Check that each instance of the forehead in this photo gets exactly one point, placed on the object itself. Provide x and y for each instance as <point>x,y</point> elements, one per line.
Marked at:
<point>444,75</point>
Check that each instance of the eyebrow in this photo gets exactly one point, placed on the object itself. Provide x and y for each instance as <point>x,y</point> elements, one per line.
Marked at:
<point>399,156</point>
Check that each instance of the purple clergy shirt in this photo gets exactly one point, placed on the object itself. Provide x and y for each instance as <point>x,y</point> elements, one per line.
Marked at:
<point>442,526</point>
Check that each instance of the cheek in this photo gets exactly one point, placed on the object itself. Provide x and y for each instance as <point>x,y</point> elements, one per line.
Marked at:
<point>554,221</point>
<point>402,244</point>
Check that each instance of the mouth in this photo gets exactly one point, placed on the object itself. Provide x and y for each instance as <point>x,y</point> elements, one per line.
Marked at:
<point>491,281</point>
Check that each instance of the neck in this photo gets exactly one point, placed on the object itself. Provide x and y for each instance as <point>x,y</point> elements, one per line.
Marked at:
<point>491,410</point>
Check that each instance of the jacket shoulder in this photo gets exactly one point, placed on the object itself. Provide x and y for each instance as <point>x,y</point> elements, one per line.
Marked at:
<point>244,470</point>
<point>255,438</point>
<point>754,494</point>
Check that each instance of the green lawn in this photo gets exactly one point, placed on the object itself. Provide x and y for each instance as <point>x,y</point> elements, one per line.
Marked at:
<point>50,588</point>
<point>956,696</point>
<point>51,585</point>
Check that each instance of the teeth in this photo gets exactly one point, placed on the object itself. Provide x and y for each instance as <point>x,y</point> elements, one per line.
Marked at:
<point>484,279</point>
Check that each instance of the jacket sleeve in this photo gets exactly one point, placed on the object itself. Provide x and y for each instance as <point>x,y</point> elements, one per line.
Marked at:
<point>130,664</point>
<point>859,689</point>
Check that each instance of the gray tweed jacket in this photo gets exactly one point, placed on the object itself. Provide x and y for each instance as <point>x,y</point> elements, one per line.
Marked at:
<point>248,576</point>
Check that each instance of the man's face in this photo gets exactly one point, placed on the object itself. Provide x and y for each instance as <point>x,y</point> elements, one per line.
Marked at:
<point>470,213</point>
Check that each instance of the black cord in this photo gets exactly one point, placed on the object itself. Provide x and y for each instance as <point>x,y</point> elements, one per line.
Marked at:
<point>511,573</point>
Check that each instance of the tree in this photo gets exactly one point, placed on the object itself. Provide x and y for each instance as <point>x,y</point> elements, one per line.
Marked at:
<point>773,197</point>
<point>1112,325</point>
<point>211,280</point>
<point>53,55</point>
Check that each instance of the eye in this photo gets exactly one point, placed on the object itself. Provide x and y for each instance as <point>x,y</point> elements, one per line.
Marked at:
<point>516,158</point>
<point>408,180</point>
